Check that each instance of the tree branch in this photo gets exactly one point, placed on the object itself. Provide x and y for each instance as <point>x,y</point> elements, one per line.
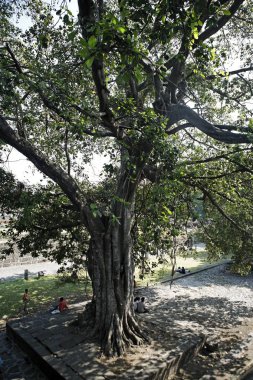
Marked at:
<point>50,105</point>
<point>215,158</point>
<point>177,112</point>
<point>209,32</point>
<point>16,63</point>
<point>54,227</point>
<point>55,109</point>
<point>87,16</point>
<point>233,72</point>
<point>49,168</point>
<point>219,208</point>
<point>219,126</point>
<point>222,175</point>
<point>66,150</point>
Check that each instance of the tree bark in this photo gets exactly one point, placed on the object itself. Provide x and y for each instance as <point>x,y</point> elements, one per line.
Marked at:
<point>110,264</point>
<point>114,320</point>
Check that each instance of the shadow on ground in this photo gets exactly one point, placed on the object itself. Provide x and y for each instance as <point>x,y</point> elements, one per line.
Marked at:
<point>179,317</point>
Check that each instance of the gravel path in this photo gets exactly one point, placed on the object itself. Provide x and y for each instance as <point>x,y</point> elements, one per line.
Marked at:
<point>213,302</point>
<point>215,282</point>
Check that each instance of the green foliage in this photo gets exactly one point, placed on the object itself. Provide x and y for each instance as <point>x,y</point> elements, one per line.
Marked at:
<point>10,192</point>
<point>227,229</point>
<point>70,91</point>
<point>163,214</point>
<point>45,223</point>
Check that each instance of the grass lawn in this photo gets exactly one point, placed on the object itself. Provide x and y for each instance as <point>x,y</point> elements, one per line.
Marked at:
<point>163,271</point>
<point>44,292</point>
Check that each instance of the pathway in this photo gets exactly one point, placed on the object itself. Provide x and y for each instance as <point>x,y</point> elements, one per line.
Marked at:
<point>17,271</point>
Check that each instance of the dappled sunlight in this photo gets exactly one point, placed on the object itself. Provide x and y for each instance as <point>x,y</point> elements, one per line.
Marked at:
<point>43,292</point>
<point>192,260</point>
<point>179,317</point>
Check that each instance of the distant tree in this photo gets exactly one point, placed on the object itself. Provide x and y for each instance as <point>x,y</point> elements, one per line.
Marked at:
<point>228,204</point>
<point>146,83</point>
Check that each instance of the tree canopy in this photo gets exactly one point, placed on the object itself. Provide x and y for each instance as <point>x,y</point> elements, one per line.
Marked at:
<point>162,88</point>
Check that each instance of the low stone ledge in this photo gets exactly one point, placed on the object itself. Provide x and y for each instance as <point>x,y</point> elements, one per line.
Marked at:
<point>82,363</point>
<point>39,355</point>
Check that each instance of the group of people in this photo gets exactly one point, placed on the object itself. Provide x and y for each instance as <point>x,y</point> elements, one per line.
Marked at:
<point>59,308</point>
<point>182,270</point>
<point>139,305</point>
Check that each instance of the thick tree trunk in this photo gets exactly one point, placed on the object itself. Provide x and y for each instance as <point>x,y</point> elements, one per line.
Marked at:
<point>110,264</point>
<point>112,279</point>
<point>110,250</point>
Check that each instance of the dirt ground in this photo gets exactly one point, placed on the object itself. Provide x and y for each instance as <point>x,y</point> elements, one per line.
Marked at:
<point>216,303</point>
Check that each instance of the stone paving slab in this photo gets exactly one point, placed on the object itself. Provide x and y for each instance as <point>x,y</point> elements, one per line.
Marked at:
<point>62,352</point>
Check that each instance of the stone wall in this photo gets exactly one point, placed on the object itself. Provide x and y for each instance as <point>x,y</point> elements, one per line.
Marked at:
<point>16,259</point>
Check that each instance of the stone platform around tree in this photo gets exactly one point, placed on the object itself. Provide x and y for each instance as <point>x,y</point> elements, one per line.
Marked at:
<point>213,303</point>
<point>62,351</point>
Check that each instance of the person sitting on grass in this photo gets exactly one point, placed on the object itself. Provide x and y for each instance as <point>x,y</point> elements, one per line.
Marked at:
<point>182,270</point>
<point>62,305</point>
<point>141,308</point>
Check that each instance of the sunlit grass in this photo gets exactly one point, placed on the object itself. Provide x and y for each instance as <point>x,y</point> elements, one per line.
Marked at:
<point>44,292</point>
<point>163,271</point>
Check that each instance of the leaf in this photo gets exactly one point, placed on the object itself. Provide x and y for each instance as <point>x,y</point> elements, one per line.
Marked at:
<point>121,29</point>
<point>138,75</point>
<point>72,35</point>
<point>66,19</point>
<point>44,41</point>
<point>195,34</point>
<point>83,42</point>
<point>92,42</point>
<point>115,219</point>
<point>251,123</point>
<point>89,62</point>
<point>94,209</point>
<point>213,54</point>
<point>123,78</point>
<point>226,12</point>
<point>168,211</point>
<point>83,53</point>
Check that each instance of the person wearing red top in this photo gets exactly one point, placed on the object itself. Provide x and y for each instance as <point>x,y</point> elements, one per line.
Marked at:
<point>62,305</point>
